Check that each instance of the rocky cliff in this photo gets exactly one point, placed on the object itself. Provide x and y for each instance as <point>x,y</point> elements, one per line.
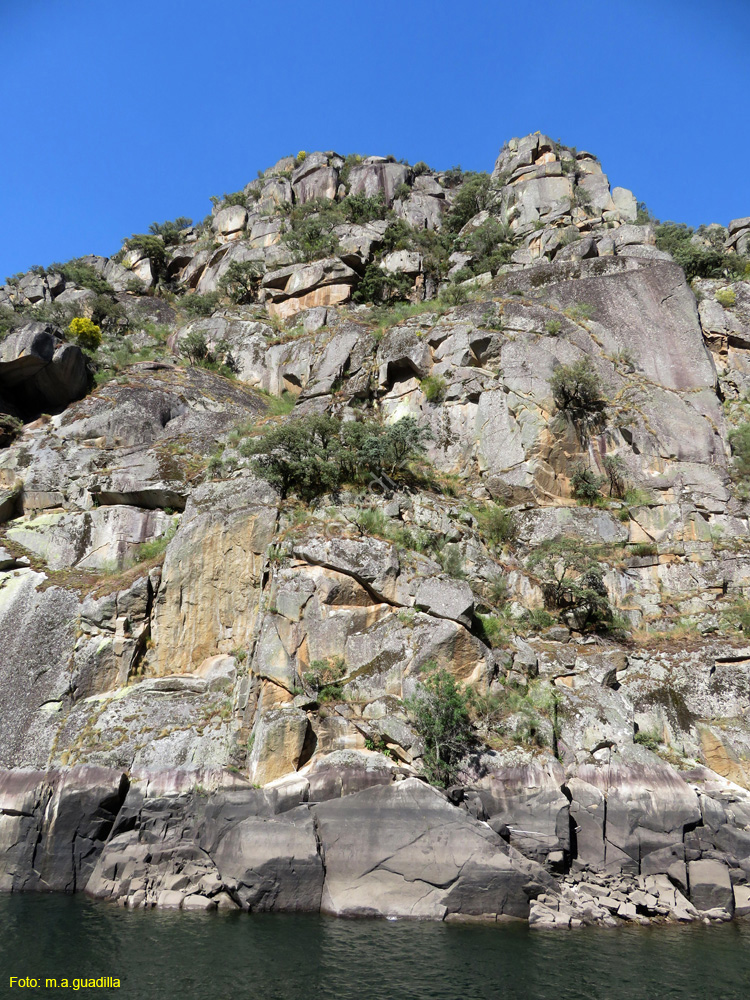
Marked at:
<point>219,610</point>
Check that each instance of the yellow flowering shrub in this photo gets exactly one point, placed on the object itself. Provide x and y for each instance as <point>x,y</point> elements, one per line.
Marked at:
<point>85,333</point>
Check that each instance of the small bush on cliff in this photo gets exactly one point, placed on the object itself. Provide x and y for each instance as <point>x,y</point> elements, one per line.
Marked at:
<point>85,333</point>
<point>726,297</point>
<point>310,226</point>
<point>703,257</point>
<point>491,245</point>
<point>434,388</point>
<point>10,428</point>
<point>473,197</point>
<point>378,286</point>
<point>440,713</point>
<point>324,678</point>
<point>200,305</point>
<point>739,440</point>
<point>586,485</point>
<point>318,454</point>
<point>577,393</point>
<point>241,280</point>
<point>171,230</point>
<point>359,208</point>
<point>215,357</point>
<point>496,525</point>
<point>76,272</point>
<point>572,581</point>
<point>150,246</point>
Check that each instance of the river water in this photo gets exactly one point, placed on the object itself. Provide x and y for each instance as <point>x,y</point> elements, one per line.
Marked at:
<point>283,957</point>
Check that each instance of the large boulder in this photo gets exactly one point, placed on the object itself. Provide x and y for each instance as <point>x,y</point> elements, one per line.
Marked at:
<point>315,177</point>
<point>39,371</point>
<point>527,805</point>
<point>710,885</point>
<point>377,176</point>
<point>53,826</point>
<point>403,850</point>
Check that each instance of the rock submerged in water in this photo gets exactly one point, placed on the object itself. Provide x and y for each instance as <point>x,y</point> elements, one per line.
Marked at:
<point>206,685</point>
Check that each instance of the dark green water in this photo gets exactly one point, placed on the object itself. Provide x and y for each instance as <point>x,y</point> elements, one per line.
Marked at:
<point>218,957</point>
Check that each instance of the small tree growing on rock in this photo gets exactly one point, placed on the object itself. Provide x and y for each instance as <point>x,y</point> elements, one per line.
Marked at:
<point>440,713</point>
<point>577,393</point>
<point>242,280</point>
<point>572,581</point>
<point>586,484</point>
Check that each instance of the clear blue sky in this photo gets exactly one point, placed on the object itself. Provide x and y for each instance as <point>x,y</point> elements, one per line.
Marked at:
<point>116,115</point>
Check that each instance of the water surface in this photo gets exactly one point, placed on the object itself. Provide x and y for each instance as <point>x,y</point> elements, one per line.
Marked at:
<point>283,957</point>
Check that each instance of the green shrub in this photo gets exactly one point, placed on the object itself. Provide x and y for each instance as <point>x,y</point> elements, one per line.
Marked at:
<point>324,678</point>
<point>9,320</point>
<point>10,428</point>
<point>439,712</point>
<point>644,549</point>
<point>472,197</point>
<point>636,497</point>
<point>156,547</point>
<point>553,327</point>
<point>373,521</point>
<point>572,583</point>
<point>434,388</point>
<point>227,200</point>
<point>650,740</point>
<point>538,618</point>
<point>217,358</point>
<point>497,525</point>
<point>739,615</point>
<point>454,295</point>
<point>86,333</point>
<point>579,311</point>
<point>317,454</point>
<point>200,305</point>
<point>241,280</point>
<point>586,485</point>
<point>491,245</point>
<point>577,387</point>
<point>351,160</point>
<point>279,406</point>
<point>577,393</point>
<point>702,259</point>
<point>107,313</point>
<point>378,285</point>
<point>739,439</point>
<point>77,272</point>
<point>359,208</point>
<point>449,557</point>
<point>170,231</point>
<point>493,629</point>
<point>497,590</point>
<point>152,247</point>
<point>310,234</point>
<point>726,297</point>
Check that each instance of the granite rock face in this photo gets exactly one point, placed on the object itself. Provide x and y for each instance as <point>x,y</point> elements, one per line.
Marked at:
<point>206,693</point>
<point>356,855</point>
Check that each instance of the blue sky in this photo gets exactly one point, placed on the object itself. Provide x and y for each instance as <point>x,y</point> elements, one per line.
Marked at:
<point>116,115</point>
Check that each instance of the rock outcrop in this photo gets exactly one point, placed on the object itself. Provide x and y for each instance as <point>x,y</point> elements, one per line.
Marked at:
<point>207,693</point>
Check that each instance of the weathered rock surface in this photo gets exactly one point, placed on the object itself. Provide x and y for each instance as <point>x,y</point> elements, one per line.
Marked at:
<point>39,371</point>
<point>175,632</point>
